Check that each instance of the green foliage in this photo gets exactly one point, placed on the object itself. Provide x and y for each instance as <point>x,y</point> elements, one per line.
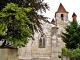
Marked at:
<point>72,35</point>
<point>13,26</point>
<point>71,52</point>
<point>38,6</point>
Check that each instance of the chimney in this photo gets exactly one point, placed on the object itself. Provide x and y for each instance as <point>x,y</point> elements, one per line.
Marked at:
<point>74,16</point>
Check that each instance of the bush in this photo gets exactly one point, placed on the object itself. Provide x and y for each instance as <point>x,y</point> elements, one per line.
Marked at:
<point>71,52</point>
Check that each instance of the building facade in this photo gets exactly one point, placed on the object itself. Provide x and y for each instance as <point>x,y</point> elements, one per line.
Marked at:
<point>47,44</point>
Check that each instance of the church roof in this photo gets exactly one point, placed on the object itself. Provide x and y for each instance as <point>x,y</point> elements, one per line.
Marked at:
<point>61,9</point>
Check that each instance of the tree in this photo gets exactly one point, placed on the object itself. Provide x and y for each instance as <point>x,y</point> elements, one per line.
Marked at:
<point>13,26</point>
<point>36,5</point>
<point>72,35</point>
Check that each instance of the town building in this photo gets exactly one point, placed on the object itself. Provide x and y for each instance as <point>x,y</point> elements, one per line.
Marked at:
<point>47,44</point>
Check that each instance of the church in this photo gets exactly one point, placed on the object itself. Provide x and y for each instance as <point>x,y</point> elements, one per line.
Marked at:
<point>47,44</point>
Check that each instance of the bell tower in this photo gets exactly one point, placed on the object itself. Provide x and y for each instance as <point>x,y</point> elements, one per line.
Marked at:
<point>61,16</point>
<point>61,20</point>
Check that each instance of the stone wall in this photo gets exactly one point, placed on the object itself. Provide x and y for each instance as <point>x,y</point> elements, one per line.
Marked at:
<point>32,48</point>
<point>65,58</point>
<point>53,43</point>
<point>8,54</point>
<point>43,52</point>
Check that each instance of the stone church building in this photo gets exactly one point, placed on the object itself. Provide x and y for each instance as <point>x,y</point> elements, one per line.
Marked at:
<point>47,44</point>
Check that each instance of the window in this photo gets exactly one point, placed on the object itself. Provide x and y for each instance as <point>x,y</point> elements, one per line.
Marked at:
<point>42,42</point>
<point>62,17</point>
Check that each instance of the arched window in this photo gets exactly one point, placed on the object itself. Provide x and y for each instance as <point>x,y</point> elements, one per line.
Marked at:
<point>42,42</point>
<point>62,17</point>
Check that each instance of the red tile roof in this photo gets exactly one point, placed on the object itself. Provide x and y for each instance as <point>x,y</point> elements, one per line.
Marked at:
<point>61,9</point>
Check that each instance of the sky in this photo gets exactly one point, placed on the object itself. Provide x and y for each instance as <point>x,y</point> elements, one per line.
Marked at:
<point>70,6</point>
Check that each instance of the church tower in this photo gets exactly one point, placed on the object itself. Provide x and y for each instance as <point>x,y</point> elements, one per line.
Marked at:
<point>61,16</point>
<point>61,20</point>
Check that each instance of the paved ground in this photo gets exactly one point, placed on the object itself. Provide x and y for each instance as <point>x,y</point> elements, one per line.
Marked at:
<point>36,59</point>
<point>42,59</point>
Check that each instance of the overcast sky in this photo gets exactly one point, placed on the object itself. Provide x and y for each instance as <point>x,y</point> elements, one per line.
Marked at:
<point>70,6</point>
